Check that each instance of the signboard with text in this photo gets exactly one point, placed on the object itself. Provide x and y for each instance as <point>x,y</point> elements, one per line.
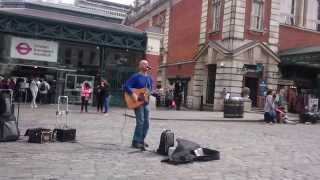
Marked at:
<point>263,88</point>
<point>31,49</point>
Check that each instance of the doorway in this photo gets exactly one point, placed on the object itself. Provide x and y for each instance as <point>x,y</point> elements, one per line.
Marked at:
<point>252,83</point>
<point>212,68</point>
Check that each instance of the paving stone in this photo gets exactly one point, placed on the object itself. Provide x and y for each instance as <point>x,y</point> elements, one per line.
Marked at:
<point>248,150</point>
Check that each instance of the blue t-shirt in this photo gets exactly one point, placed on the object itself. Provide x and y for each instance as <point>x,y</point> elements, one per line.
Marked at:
<point>138,81</point>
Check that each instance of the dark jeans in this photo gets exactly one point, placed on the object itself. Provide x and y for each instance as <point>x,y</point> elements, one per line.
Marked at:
<point>106,104</point>
<point>269,117</point>
<point>84,102</point>
<point>178,103</point>
<point>142,124</point>
<point>100,102</point>
<point>43,98</point>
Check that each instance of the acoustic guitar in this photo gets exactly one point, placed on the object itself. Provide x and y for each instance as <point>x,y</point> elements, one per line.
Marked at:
<point>143,97</point>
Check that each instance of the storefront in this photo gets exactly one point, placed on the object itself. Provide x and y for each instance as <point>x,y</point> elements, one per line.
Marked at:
<point>301,66</point>
<point>219,71</point>
<point>66,50</point>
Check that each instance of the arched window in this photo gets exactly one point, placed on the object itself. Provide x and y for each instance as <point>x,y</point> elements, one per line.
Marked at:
<point>216,11</point>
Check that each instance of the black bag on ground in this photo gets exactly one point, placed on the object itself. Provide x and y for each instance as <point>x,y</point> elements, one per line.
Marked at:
<point>309,117</point>
<point>166,141</point>
<point>39,135</point>
<point>188,151</point>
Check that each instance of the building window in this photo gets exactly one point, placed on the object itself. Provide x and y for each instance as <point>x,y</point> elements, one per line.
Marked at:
<point>257,15</point>
<point>287,11</point>
<point>292,11</point>
<point>216,8</point>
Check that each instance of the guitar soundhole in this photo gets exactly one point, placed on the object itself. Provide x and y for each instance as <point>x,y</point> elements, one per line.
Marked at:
<point>141,97</point>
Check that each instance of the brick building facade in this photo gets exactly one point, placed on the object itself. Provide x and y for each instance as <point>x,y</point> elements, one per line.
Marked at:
<point>215,46</point>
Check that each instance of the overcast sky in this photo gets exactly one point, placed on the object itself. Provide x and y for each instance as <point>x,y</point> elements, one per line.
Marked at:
<point>128,2</point>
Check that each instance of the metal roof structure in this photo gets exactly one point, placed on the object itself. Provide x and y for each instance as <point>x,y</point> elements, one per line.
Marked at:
<point>306,57</point>
<point>60,26</point>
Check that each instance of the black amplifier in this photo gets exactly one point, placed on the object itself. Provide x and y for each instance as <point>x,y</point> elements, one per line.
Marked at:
<point>65,135</point>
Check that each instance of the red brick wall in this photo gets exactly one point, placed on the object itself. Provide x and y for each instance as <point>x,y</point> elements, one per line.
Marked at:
<point>154,62</point>
<point>292,37</point>
<point>253,35</point>
<point>180,70</point>
<point>218,34</point>
<point>184,30</point>
<point>143,25</point>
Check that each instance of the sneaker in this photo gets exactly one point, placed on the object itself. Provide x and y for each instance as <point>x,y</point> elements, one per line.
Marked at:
<point>106,114</point>
<point>139,146</point>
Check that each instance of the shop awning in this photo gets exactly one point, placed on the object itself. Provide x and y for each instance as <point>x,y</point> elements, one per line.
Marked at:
<point>305,57</point>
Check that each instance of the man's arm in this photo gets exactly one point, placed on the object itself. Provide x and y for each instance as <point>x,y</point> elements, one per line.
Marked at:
<point>129,84</point>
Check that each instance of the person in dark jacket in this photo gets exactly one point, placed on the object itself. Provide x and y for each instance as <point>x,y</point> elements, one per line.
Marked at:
<point>178,94</point>
<point>101,92</point>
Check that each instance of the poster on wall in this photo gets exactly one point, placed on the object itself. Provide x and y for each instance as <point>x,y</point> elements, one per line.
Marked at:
<point>31,49</point>
<point>313,105</point>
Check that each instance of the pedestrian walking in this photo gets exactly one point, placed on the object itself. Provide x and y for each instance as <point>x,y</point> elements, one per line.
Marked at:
<point>106,97</point>
<point>85,95</point>
<point>140,80</point>
<point>34,92</point>
<point>44,87</point>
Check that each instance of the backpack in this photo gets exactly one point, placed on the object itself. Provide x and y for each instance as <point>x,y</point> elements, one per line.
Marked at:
<point>42,86</point>
<point>166,141</point>
<point>9,130</point>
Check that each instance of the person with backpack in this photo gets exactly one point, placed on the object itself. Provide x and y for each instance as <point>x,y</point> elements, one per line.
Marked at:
<point>85,95</point>
<point>43,90</point>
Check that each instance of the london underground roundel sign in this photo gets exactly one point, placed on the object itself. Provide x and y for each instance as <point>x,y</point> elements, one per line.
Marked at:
<point>23,48</point>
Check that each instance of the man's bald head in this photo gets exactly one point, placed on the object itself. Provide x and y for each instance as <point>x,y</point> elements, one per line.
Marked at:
<point>144,65</point>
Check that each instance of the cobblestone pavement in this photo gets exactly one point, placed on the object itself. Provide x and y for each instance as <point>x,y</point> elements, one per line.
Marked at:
<point>254,151</point>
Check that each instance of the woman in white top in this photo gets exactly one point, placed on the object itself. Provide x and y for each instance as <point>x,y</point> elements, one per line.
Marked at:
<point>269,108</point>
<point>34,92</point>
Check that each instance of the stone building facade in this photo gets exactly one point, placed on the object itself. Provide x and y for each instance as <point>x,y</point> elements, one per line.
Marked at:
<point>215,46</point>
